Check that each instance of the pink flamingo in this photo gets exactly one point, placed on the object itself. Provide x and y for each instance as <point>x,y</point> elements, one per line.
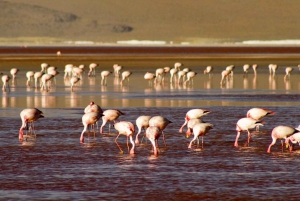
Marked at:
<point>104,75</point>
<point>208,70</point>
<point>142,122</point>
<point>174,70</point>
<point>193,114</point>
<point>191,123</point>
<point>272,69</point>
<point>295,139</point>
<point>92,107</point>
<point>117,69</point>
<point>281,132</point>
<point>244,124</point>
<point>149,76</point>
<point>200,129</point>
<point>37,76</point>
<point>110,115</point>
<point>125,75</point>
<point>28,116</point>
<point>288,71</point>
<point>45,79</point>
<point>29,75</point>
<point>73,81</point>
<point>89,118</point>
<point>254,67</point>
<point>153,133</point>
<point>68,70</point>
<point>125,128</point>
<point>224,75</point>
<point>160,122</point>
<point>44,67</point>
<point>258,114</point>
<point>13,73</point>
<point>159,74</point>
<point>181,74</point>
<point>5,80</point>
<point>92,71</point>
<point>190,77</point>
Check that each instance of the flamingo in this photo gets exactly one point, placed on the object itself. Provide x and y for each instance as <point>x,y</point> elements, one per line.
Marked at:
<point>190,77</point>
<point>5,80</point>
<point>117,69</point>
<point>159,74</point>
<point>28,116</point>
<point>193,114</point>
<point>166,70</point>
<point>272,69</point>
<point>208,70</point>
<point>68,70</point>
<point>37,76</point>
<point>92,107</point>
<point>200,129</point>
<point>174,70</point>
<point>258,114</point>
<point>224,74</point>
<point>89,118</point>
<point>92,71</point>
<point>13,73</point>
<point>153,133</point>
<point>125,75</point>
<point>29,75</point>
<point>160,122</point>
<point>44,79</point>
<point>244,124</point>
<point>125,128</point>
<point>294,138</point>
<point>51,68</point>
<point>191,123</point>
<point>76,71</point>
<point>281,132</point>
<point>254,67</point>
<point>110,115</point>
<point>149,76</point>
<point>53,72</point>
<point>288,71</point>
<point>181,74</point>
<point>246,68</point>
<point>44,67</point>
<point>141,122</point>
<point>230,69</point>
<point>104,75</point>
<point>73,81</point>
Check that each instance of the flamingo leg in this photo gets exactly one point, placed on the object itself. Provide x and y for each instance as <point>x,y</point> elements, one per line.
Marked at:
<point>190,145</point>
<point>236,139</point>
<point>121,151</point>
<point>127,143</point>
<point>164,138</point>
<point>249,136</point>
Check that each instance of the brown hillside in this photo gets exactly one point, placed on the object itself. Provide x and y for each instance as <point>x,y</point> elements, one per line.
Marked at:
<point>108,21</point>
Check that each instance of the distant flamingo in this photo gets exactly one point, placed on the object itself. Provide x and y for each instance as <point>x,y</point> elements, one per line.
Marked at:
<point>159,75</point>
<point>244,124</point>
<point>160,122</point>
<point>104,75</point>
<point>76,71</point>
<point>5,80</point>
<point>200,129</point>
<point>281,132</point>
<point>68,70</point>
<point>166,70</point>
<point>44,67</point>
<point>125,75</point>
<point>246,68</point>
<point>295,139</point>
<point>288,71</point>
<point>149,76</point>
<point>230,69</point>
<point>254,67</point>
<point>191,123</point>
<point>258,114</point>
<point>126,128</point>
<point>153,133</point>
<point>224,74</point>
<point>190,77</point>
<point>181,75</point>
<point>37,76</point>
<point>92,71</point>
<point>28,116</point>
<point>193,114</point>
<point>272,69</point>
<point>13,73</point>
<point>142,122</point>
<point>174,70</point>
<point>117,69</point>
<point>110,115</point>
<point>89,118</point>
<point>51,68</point>
<point>29,75</point>
<point>45,79</point>
<point>208,70</point>
<point>73,82</point>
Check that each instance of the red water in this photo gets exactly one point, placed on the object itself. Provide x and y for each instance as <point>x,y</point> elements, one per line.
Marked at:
<point>56,166</point>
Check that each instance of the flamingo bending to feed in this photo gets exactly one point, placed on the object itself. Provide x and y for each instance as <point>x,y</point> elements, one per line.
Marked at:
<point>272,69</point>
<point>200,129</point>
<point>125,75</point>
<point>68,70</point>
<point>244,124</point>
<point>5,80</point>
<point>281,132</point>
<point>110,115</point>
<point>149,76</point>
<point>37,76</point>
<point>190,77</point>
<point>29,75</point>
<point>208,70</point>
<point>191,123</point>
<point>295,139</point>
<point>224,74</point>
<point>142,122</point>
<point>44,67</point>
<point>258,114</point>
<point>73,81</point>
<point>104,75</point>
<point>246,68</point>
<point>28,116</point>
<point>160,122</point>
<point>159,75</point>
<point>117,69</point>
<point>153,133</point>
<point>193,114</point>
<point>288,71</point>
<point>125,128</point>
<point>89,118</point>
<point>254,67</point>
<point>45,79</point>
<point>92,71</point>
<point>13,73</point>
<point>92,107</point>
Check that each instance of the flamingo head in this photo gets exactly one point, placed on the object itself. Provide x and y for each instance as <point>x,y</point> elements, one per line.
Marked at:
<point>92,103</point>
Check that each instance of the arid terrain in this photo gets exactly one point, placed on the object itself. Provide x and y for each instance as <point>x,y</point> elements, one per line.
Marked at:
<point>41,22</point>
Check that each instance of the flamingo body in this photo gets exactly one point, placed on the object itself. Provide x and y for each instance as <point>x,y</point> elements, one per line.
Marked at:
<point>89,118</point>
<point>29,116</point>
<point>142,122</point>
<point>153,133</point>
<point>193,114</point>
<point>126,128</point>
<point>110,115</point>
<point>200,129</point>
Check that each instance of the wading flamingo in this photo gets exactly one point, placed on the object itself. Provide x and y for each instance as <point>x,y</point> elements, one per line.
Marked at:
<point>142,122</point>
<point>37,76</point>
<point>13,73</point>
<point>190,77</point>
<point>272,69</point>
<point>294,139</point>
<point>104,75</point>
<point>288,71</point>
<point>254,67</point>
<point>160,122</point>
<point>125,75</point>
<point>45,79</point>
<point>126,128</point>
<point>193,114</point>
<point>258,114</point>
<point>245,124</point>
<point>191,123</point>
<point>281,132</point>
<point>246,68</point>
<point>92,71</point>
<point>44,67</point>
<point>5,80</point>
<point>29,75</point>
<point>153,133</point>
<point>200,129</point>
<point>208,70</point>
<point>117,70</point>
<point>73,82</point>
<point>149,76</point>
<point>28,116</point>
<point>89,118</point>
<point>159,75</point>
<point>110,115</point>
